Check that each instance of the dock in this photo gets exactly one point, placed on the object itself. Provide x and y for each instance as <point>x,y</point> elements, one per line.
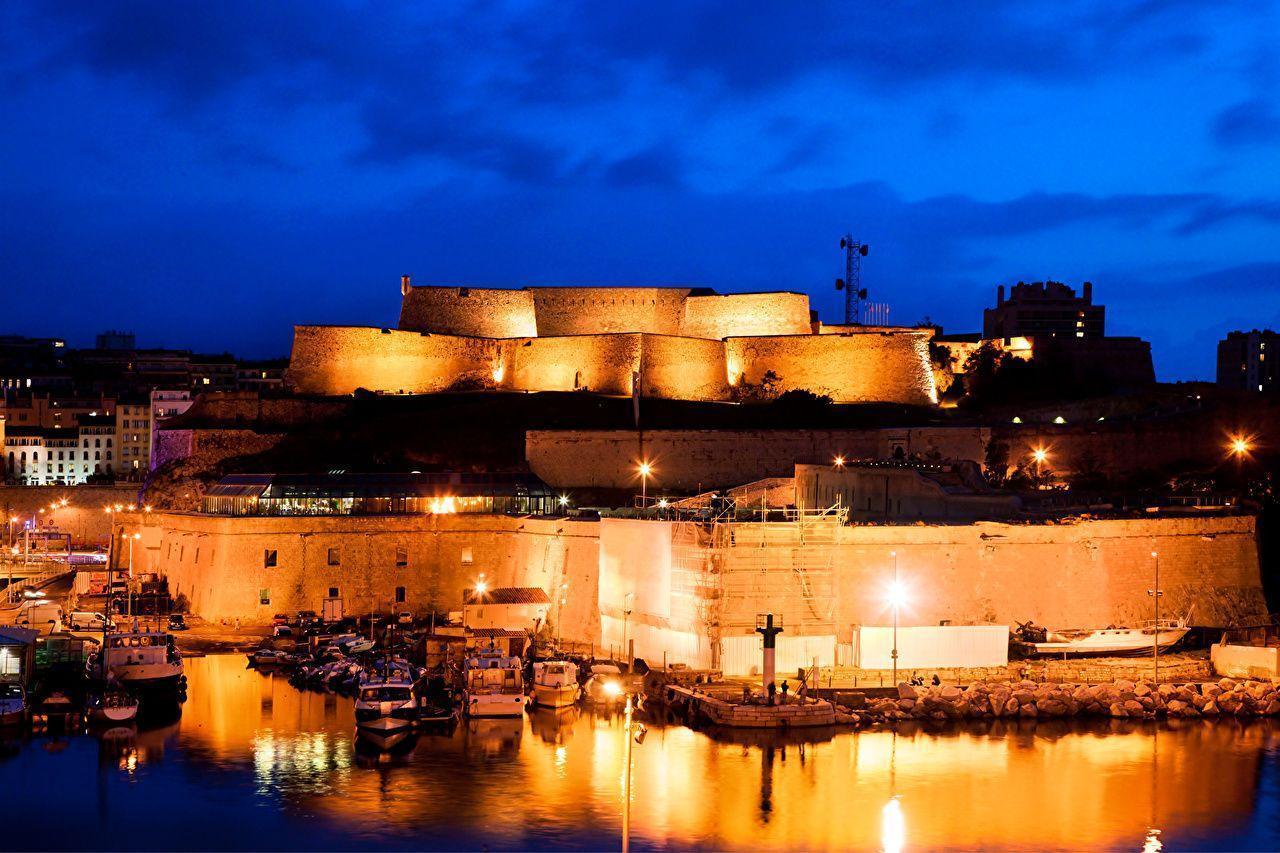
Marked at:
<point>698,705</point>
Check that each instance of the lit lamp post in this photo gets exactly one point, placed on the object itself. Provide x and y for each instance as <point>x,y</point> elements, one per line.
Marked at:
<point>1155,635</point>
<point>1039,455</point>
<point>132,538</point>
<point>897,597</point>
<point>644,469</point>
<point>838,462</point>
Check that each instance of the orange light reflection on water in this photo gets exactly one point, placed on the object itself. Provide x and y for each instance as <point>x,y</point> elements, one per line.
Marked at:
<point>519,782</point>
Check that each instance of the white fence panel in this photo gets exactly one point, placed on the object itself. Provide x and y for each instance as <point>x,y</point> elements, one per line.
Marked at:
<point>936,646</point>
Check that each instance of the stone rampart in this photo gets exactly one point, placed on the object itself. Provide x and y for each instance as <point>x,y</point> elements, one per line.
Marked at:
<point>720,316</point>
<point>696,460</point>
<point>469,312</point>
<point>340,359</point>
<point>890,366</point>
<point>604,310</point>
<point>683,368</point>
<point>600,363</point>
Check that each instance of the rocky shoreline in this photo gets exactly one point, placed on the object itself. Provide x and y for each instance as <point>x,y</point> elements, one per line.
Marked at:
<point>1120,699</point>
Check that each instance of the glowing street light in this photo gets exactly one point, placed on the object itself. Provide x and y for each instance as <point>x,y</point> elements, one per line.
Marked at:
<point>481,587</point>
<point>644,469</point>
<point>897,596</point>
<point>838,461</point>
<point>563,500</point>
<point>1240,446</point>
<point>1039,455</point>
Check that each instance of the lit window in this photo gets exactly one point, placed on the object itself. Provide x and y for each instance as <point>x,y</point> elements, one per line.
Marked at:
<point>466,556</point>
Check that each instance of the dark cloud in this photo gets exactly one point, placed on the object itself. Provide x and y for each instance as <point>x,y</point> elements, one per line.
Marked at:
<point>657,166</point>
<point>1251,122</point>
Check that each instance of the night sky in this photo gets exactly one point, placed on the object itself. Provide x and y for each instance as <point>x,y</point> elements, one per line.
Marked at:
<point>208,174</point>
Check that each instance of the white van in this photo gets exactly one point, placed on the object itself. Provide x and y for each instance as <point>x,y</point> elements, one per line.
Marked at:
<point>39,615</point>
<point>83,620</point>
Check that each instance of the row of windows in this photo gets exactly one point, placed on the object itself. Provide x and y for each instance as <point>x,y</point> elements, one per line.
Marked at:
<point>264,595</point>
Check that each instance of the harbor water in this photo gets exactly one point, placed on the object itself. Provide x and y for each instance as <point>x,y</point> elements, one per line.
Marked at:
<point>252,763</point>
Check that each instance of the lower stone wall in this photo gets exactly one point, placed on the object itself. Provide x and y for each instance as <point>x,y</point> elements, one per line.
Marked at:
<point>696,460</point>
<point>340,359</point>
<point>671,587</point>
<point>600,363</point>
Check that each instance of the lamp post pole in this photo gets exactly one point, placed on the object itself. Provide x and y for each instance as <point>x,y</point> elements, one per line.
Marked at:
<point>626,792</point>
<point>896,603</point>
<point>1155,634</point>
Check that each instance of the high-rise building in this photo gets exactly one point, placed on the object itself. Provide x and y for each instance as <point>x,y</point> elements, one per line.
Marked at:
<point>1247,361</point>
<point>1044,309</point>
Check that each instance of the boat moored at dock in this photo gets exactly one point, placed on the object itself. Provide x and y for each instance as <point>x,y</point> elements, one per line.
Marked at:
<point>492,685</point>
<point>555,684</point>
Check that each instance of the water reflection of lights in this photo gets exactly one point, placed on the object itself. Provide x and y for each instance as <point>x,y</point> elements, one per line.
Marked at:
<point>1151,844</point>
<point>301,755</point>
<point>893,829</point>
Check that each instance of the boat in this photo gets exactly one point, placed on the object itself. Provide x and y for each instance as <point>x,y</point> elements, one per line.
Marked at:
<point>113,706</point>
<point>492,685</point>
<point>386,704</point>
<point>1099,642</point>
<point>604,685</point>
<point>555,684</point>
<point>13,704</point>
<point>137,659</point>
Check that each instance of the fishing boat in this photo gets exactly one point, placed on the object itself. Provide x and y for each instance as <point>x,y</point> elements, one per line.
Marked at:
<point>492,685</point>
<point>138,659</point>
<point>113,706</point>
<point>555,684</point>
<point>1100,642</point>
<point>13,704</point>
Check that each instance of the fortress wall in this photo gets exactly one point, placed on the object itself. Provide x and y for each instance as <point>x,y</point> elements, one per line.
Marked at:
<point>683,368</point>
<point>603,310</point>
<point>1085,573</point>
<point>469,312</point>
<point>340,359</point>
<point>716,316</point>
<point>694,460</point>
<point>600,363</point>
<point>863,367</point>
<point>217,562</point>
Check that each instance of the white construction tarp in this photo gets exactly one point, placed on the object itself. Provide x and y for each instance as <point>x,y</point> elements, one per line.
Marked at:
<point>744,655</point>
<point>936,646</point>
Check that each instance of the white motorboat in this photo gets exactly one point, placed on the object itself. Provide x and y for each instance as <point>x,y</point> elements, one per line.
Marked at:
<point>555,684</point>
<point>137,659</point>
<point>13,704</point>
<point>113,706</point>
<point>386,704</point>
<point>492,685</point>
<point>604,686</point>
<point>1103,642</point>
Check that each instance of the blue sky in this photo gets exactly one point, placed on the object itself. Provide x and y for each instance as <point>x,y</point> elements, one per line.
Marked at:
<point>210,174</point>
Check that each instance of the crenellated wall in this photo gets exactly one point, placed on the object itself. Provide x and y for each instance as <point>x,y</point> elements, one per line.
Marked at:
<point>877,365</point>
<point>340,359</point>
<point>724,315</point>
<point>469,312</point>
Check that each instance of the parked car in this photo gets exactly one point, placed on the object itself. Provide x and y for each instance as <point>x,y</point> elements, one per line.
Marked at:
<point>177,622</point>
<point>404,617</point>
<point>307,618</point>
<point>280,619</point>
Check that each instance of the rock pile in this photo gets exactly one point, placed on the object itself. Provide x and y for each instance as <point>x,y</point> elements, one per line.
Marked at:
<point>1031,700</point>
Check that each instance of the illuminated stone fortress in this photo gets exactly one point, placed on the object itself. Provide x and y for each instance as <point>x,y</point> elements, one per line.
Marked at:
<point>677,342</point>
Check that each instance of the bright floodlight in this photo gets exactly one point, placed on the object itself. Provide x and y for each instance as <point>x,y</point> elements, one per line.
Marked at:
<point>481,587</point>
<point>564,500</point>
<point>838,461</point>
<point>612,688</point>
<point>1039,454</point>
<point>1240,445</point>
<point>662,503</point>
<point>645,469</point>
<point>896,594</point>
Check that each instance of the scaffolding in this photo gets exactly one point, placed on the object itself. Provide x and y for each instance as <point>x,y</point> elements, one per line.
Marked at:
<point>729,571</point>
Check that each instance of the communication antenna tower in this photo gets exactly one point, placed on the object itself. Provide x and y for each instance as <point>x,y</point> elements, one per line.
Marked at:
<point>851,284</point>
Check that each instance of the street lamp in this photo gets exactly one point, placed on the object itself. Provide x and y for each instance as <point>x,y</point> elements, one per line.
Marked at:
<point>644,469</point>
<point>1155,634</point>
<point>1240,446</point>
<point>838,461</point>
<point>897,597</point>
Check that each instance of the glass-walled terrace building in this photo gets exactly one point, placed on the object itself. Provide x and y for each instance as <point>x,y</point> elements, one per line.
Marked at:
<point>380,494</point>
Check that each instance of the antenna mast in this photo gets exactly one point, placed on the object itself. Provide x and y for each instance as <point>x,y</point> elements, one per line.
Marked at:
<point>851,284</point>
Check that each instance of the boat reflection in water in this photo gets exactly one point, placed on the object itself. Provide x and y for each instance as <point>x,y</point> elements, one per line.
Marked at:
<point>263,765</point>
